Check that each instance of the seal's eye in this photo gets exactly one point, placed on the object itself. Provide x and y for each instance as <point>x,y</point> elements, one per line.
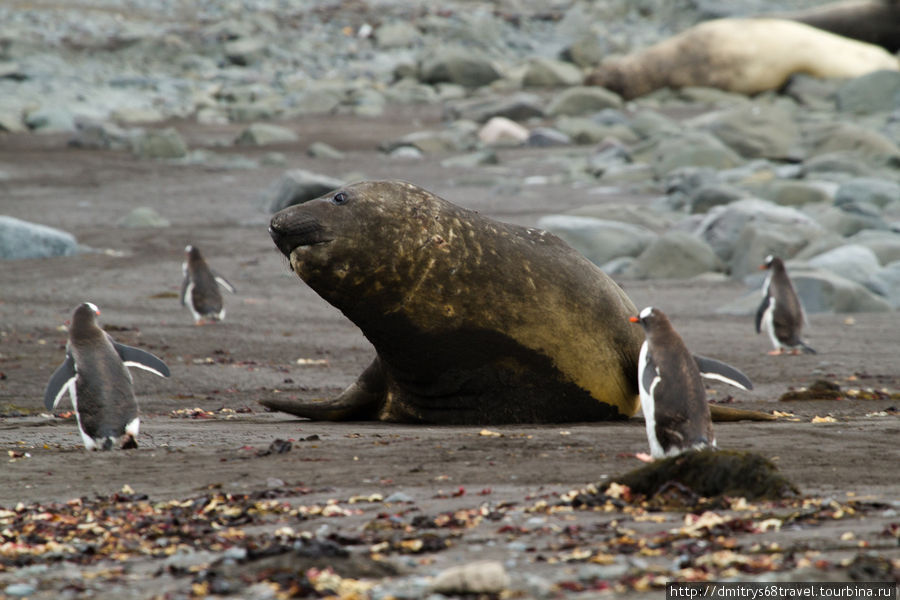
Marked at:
<point>339,198</point>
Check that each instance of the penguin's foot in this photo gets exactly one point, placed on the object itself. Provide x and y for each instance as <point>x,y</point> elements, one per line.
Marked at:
<point>129,443</point>
<point>795,352</point>
<point>775,352</point>
<point>644,457</point>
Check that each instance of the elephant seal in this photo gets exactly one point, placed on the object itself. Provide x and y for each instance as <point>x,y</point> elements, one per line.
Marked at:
<point>746,56</point>
<point>474,321</point>
<point>873,21</point>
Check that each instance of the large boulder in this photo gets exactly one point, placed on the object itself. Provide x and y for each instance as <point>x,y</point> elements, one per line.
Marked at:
<point>675,255</point>
<point>298,186</point>
<point>693,149</point>
<point>547,72</point>
<point>22,239</point>
<point>852,261</point>
<point>755,131</point>
<point>878,91</point>
<point>458,65</point>
<point>823,291</point>
<point>869,190</point>
<point>583,101</point>
<point>885,244</point>
<point>599,240</point>
<point>886,283</point>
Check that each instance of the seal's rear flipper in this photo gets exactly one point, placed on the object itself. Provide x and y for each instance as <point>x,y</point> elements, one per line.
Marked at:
<point>361,401</point>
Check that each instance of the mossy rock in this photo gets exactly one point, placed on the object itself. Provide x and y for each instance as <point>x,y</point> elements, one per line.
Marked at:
<point>820,390</point>
<point>712,473</point>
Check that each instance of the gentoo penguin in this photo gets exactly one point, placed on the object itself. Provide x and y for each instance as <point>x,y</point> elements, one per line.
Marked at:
<point>781,310</point>
<point>673,398</point>
<point>95,374</point>
<point>200,288</point>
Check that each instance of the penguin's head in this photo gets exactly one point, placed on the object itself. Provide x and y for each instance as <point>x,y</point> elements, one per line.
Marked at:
<point>771,261</point>
<point>646,317</point>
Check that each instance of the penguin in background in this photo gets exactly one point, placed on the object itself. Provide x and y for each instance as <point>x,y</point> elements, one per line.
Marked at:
<point>200,288</point>
<point>95,373</point>
<point>673,398</point>
<point>781,311</point>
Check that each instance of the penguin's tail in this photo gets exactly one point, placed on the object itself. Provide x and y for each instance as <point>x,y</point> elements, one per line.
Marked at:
<point>807,349</point>
<point>107,443</point>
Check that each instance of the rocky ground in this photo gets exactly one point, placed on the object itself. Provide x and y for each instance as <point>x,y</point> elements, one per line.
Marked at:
<point>136,129</point>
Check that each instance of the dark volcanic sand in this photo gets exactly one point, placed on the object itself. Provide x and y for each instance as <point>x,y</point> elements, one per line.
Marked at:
<point>274,320</point>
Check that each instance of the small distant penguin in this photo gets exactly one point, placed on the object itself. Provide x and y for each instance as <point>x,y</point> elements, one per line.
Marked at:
<point>200,288</point>
<point>781,310</point>
<point>673,398</point>
<point>96,375</point>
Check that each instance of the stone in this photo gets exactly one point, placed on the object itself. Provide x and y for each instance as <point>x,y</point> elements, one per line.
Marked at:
<point>297,186</point>
<point>547,72</point>
<point>316,101</point>
<point>406,153</point>
<point>798,193</point>
<point>853,261</point>
<point>397,34</point>
<point>755,131</point>
<point>828,137</point>
<point>581,100</point>
<point>546,137</point>
<point>484,577</point>
<point>408,90</point>
<point>585,51</point>
<point>838,166</point>
<point>655,221</point>
<point>756,241</point>
<point>263,134</point>
<point>50,119</point>
<point>812,92</point>
<point>823,291</point>
<point>99,135</point>
<point>879,192</point>
<point>886,283</point>
<point>11,120</point>
<point>693,149</point>
<point>885,244</point>
<point>500,131</point>
<point>143,216</point>
<point>159,143</point>
<point>434,142</point>
<point>706,197</point>
<point>878,91</point>
<point>245,51</point>
<point>22,239</point>
<point>850,219</point>
<point>652,124</point>
<point>458,65</point>
<point>517,107</point>
<point>473,159</point>
<point>600,240</point>
<point>722,225</point>
<point>583,130</point>
<point>675,255</point>
<point>323,150</point>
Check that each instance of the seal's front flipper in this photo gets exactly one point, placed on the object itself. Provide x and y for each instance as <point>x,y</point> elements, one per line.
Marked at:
<point>61,380</point>
<point>361,401</point>
<point>714,369</point>
<point>135,357</point>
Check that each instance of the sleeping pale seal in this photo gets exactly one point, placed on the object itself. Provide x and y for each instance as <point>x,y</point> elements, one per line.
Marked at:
<point>473,320</point>
<point>747,56</point>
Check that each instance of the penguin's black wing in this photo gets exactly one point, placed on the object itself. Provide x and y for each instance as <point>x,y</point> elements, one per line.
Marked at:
<point>63,377</point>
<point>767,299</point>
<point>714,369</point>
<point>135,357</point>
<point>223,282</point>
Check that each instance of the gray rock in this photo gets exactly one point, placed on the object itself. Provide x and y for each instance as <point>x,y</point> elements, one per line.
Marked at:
<point>627,175</point>
<point>159,143</point>
<point>716,194</point>
<point>849,219</point>
<point>828,137</point>
<point>434,142</point>
<point>99,135</point>
<point>397,34</point>
<point>143,216</point>
<point>545,137</point>
<point>823,291</point>
<point>886,282</point>
<point>263,134</point>
<point>758,240</point>
<point>651,124</point>
<point>11,120</point>
<point>410,91</point>
<point>878,91</point>
<point>583,130</point>
<point>838,166</point>
<point>367,102</point>
<point>315,101</point>
<point>547,72</point>
<point>885,244</point>
<point>879,192</point>
<point>296,187</point>
<point>22,239</point>
<point>517,107</point>
<point>655,221</point>
<point>797,193</point>
<point>675,255</point>
<point>399,497</point>
<point>585,51</point>
<point>853,261</point>
<point>755,131</point>
<point>583,101</point>
<point>473,159</point>
<point>812,92</point>
<point>406,153</point>
<point>19,590</point>
<point>723,225</point>
<point>599,240</point>
<point>51,119</point>
<point>323,150</point>
<point>484,577</point>
<point>458,65</point>
<point>693,149</point>
<point>245,51</point>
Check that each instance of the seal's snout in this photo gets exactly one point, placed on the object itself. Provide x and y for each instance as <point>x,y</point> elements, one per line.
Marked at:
<point>292,229</point>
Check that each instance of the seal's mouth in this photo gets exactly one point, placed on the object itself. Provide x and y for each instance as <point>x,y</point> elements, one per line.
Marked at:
<point>292,231</point>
